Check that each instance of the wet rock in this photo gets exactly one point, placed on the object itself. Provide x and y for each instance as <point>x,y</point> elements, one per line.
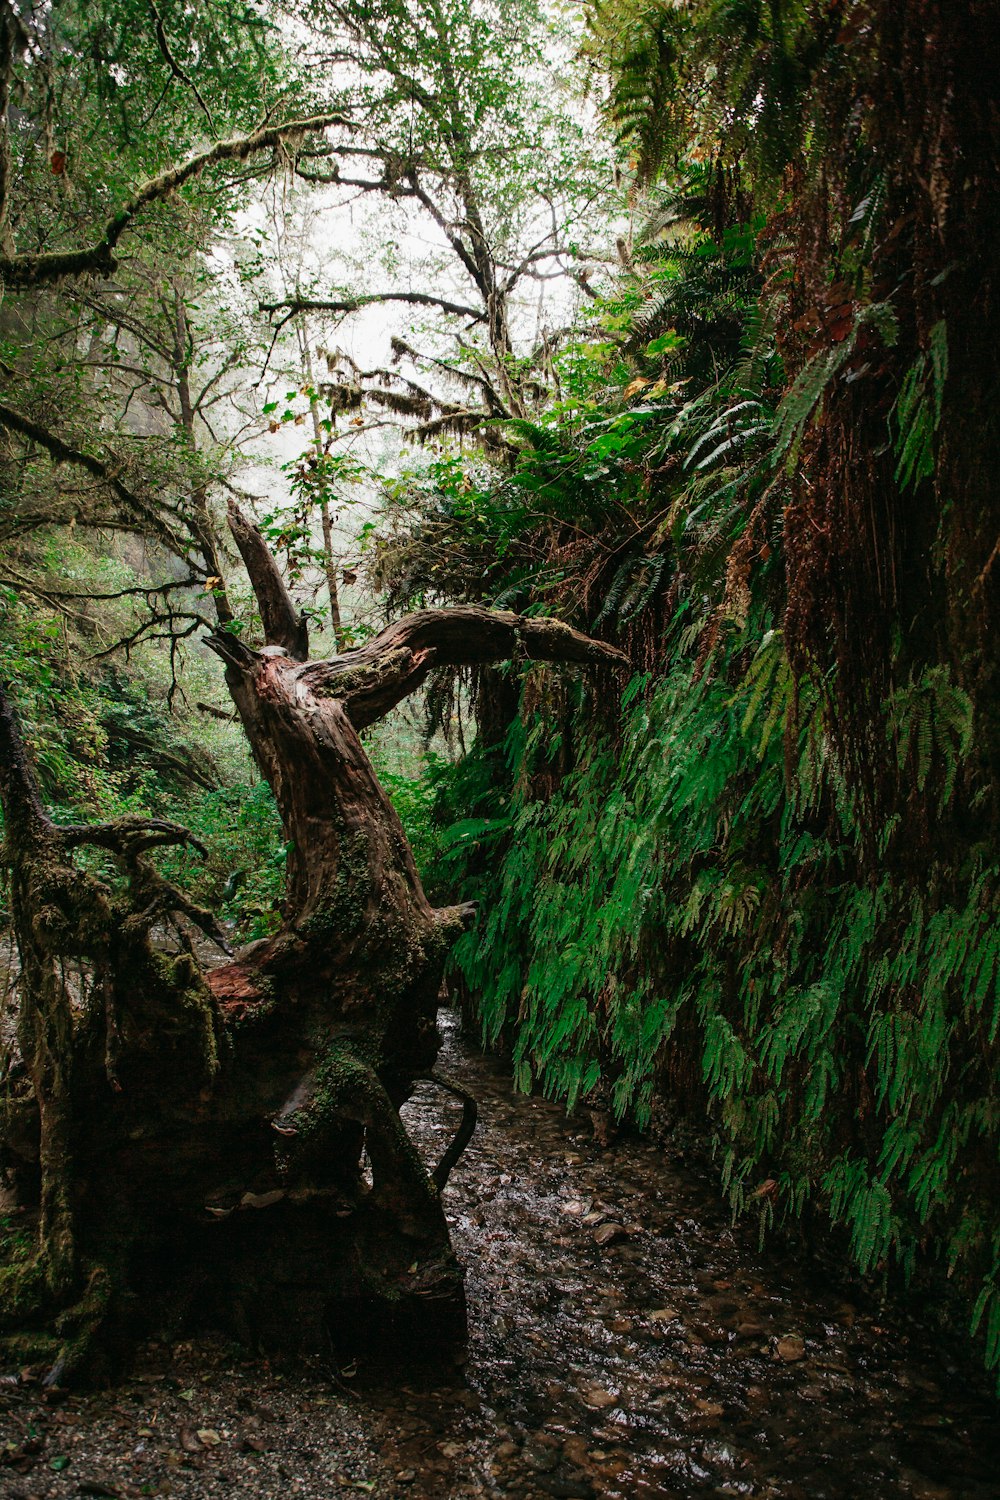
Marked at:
<point>610,1234</point>
<point>566,1489</point>
<point>750,1328</point>
<point>575,1450</point>
<point>542,1453</point>
<point>250,1437</point>
<point>598,1396</point>
<point>710,1334</point>
<point>664,1315</point>
<point>790,1348</point>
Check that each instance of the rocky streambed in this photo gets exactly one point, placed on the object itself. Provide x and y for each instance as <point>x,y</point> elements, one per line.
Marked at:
<point>625,1341</point>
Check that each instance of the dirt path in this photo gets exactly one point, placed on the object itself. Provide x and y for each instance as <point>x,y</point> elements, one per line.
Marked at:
<point>625,1342</point>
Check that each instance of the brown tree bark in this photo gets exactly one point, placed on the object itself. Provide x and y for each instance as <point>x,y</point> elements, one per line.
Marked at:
<point>192,1140</point>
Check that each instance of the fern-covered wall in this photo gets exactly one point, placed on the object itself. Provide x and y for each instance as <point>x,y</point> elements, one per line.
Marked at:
<point>768,887</point>
<point>693,913</point>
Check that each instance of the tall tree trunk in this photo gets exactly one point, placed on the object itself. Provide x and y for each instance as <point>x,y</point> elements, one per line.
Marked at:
<point>202,524</point>
<point>326,519</point>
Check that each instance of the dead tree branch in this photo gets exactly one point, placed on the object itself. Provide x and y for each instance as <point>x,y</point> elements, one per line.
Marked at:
<point>283,625</point>
<point>371,679</point>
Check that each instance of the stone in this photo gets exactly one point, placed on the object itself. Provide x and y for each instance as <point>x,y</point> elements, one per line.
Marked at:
<point>609,1234</point>
<point>598,1397</point>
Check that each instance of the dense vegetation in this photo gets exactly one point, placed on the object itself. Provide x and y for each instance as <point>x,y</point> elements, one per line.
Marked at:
<point>771,891</point>
<point>754,450</point>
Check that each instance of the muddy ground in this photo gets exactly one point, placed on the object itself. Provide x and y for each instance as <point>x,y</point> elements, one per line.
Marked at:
<point>625,1341</point>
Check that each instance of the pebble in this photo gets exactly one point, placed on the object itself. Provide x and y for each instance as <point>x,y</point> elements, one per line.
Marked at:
<point>598,1397</point>
<point>541,1454</point>
<point>609,1234</point>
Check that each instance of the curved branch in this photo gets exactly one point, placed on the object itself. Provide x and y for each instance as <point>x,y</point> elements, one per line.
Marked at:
<point>175,68</point>
<point>463,1135</point>
<point>51,265</point>
<point>130,835</point>
<point>372,299</point>
<point>372,679</point>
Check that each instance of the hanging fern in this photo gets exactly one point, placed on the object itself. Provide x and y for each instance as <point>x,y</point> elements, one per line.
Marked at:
<point>932,722</point>
<point>810,387</point>
<point>916,415</point>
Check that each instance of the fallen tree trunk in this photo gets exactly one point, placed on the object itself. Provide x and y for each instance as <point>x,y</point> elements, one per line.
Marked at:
<point>192,1142</point>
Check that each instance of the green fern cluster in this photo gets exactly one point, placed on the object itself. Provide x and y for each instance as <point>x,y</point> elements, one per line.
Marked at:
<point>727,75</point>
<point>696,900</point>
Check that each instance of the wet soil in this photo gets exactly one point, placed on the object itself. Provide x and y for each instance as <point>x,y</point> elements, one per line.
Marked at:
<point>625,1342</point>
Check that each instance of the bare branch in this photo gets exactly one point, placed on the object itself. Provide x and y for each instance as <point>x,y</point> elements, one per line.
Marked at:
<point>283,625</point>
<point>63,452</point>
<point>217,713</point>
<point>334,178</point>
<point>354,304</point>
<point>175,67</point>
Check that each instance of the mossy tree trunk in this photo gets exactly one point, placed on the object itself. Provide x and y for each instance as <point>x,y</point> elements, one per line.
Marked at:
<point>194,1141</point>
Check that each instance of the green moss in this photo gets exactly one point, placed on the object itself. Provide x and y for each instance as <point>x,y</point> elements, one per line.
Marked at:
<point>29,1348</point>
<point>345,912</point>
<point>24,1291</point>
<point>67,1339</point>
<point>198,1007</point>
<point>345,1088</point>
